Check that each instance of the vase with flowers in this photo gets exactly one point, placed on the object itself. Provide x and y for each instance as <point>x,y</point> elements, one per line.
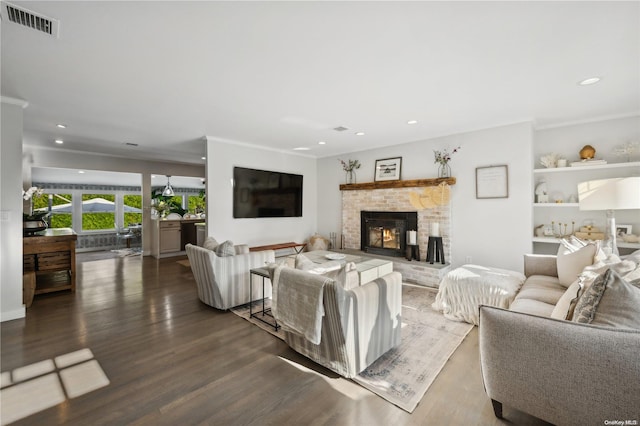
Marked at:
<point>443,157</point>
<point>350,168</point>
<point>33,221</point>
<point>163,209</point>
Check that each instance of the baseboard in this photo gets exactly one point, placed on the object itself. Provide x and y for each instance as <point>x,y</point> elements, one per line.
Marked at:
<point>14,314</point>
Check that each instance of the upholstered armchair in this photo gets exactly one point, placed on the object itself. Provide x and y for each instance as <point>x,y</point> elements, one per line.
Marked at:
<point>359,324</point>
<point>224,281</point>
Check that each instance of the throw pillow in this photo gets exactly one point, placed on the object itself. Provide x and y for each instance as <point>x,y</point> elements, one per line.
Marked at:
<point>619,305</point>
<point>571,264</point>
<point>347,276</point>
<point>210,243</point>
<point>304,263</point>
<point>567,303</point>
<point>586,308</point>
<point>225,249</point>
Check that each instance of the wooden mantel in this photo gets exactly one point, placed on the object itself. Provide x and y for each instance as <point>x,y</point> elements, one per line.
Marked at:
<point>397,184</point>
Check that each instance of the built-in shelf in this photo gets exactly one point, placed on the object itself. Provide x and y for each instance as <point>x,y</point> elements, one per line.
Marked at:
<point>397,184</point>
<point>551,240</point>
<point>556,205</point>
<point>587,168</point>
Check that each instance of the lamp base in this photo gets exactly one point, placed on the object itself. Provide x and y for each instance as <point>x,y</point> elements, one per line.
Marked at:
<point>609,245</point>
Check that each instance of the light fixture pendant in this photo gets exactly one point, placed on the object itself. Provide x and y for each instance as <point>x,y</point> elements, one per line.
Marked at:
<point>168,190</point>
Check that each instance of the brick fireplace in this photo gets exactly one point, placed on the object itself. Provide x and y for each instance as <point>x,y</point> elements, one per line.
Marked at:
<point>375,197</point>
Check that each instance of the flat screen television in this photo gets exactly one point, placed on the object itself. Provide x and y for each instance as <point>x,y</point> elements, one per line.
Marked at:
<point>261,193</point>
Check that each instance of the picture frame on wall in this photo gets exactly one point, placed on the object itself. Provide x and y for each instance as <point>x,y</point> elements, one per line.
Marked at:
<point>623,230</point>
<point>388,169</point>
<point>492,182</point>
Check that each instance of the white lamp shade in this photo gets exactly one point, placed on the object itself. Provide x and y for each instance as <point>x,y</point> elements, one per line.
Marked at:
<point>610,194</point>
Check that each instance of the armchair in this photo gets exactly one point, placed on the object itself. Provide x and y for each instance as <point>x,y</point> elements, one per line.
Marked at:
<point>358,326</point>
<point>224,282</point>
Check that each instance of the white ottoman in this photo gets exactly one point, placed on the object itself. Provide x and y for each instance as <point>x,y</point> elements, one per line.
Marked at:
<point>464,289</point>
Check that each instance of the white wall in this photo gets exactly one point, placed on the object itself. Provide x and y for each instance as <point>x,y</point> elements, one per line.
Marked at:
<point>11,306</point>
<point>221,158</point>
<point>494,232</point>
<point>39,157</point>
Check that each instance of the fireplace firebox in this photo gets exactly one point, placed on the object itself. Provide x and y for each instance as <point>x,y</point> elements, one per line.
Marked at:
<point>385,232</point>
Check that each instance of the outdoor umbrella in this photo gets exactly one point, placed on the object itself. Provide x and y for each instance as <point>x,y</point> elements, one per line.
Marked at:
<point>94,205</point>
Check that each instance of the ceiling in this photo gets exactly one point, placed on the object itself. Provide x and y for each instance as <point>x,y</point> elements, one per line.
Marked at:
<point>283,75</point>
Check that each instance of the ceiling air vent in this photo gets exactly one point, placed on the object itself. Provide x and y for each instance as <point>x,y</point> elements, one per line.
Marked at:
<point>340,128</point>
<point>130,144</point>
<point>27,18</point>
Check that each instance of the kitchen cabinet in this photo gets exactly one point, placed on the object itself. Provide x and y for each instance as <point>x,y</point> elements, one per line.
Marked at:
<point>168,237</point>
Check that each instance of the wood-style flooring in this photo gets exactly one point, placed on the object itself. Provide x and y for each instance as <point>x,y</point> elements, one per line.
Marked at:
<point>172,360</point>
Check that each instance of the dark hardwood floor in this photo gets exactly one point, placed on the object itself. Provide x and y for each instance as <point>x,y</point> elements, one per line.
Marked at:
<point>173,360</point>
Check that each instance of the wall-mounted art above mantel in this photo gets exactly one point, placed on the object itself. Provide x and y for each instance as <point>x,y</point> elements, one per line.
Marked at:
<point>397,184</point>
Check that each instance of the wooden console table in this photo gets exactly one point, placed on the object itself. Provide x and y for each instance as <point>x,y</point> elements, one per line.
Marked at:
<point>51,250</point>
<point>296,247</point>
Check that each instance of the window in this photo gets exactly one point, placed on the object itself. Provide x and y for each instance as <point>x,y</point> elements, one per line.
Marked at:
<point>61,208</point>
<point>132,209</point>
<point>98,212</point>
<point>196,203</point>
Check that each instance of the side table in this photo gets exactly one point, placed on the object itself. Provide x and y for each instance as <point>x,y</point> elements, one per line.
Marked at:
<point>259,315</point>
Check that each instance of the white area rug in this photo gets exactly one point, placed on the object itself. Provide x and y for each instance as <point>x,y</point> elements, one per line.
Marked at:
<point>403,375</point>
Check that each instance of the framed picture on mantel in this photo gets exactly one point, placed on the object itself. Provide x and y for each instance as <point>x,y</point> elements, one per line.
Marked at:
<point>388,169</point>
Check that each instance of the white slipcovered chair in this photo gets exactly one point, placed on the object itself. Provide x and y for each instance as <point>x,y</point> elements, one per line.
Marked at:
<point>225,281</point>
<point>358,326</point>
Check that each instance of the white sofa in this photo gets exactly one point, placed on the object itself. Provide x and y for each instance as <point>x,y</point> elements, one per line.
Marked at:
<point>224,282</point>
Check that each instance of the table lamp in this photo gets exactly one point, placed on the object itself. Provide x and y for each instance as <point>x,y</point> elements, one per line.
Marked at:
<point>610,194</point>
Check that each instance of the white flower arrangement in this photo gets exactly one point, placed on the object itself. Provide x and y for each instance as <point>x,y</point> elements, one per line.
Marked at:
<point>34,191</point>
<point>550,160</point>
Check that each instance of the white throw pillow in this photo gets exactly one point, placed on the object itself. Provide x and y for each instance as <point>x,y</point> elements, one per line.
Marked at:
<point>210,243</point>
<point>567,303</point>
<point>571,264</point>
<point>225,249</point>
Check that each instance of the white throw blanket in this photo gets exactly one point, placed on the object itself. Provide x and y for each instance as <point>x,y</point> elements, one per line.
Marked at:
<point>297,302</point>
<point>464,289</point>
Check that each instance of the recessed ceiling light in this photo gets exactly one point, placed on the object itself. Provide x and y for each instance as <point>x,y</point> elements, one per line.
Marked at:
<point>301,148</point>
<point>204,158</point>
<point>61,126</point>
<point>81,171</point>
<point>589,81</point>
<point>360,134</point>
<point>412,122</point>
<point>322,143</point>
<point>59,141</point>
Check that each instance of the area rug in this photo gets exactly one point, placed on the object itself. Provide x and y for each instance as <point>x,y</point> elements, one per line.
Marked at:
<point>403,375</point>
<point>127,252</point>
<point>184,263</point>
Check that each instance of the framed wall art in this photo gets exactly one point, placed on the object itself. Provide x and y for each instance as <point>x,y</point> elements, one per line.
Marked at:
<point>388,169</point>
<point>492,182</point>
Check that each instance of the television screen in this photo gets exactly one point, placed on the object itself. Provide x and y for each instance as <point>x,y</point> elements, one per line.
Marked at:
<point>261,193</point>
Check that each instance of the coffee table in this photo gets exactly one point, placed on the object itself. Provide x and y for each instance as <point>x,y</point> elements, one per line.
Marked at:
<point>368,268</point>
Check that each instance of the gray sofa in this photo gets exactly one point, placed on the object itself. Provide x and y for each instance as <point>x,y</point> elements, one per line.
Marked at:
<point>560,371</point>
